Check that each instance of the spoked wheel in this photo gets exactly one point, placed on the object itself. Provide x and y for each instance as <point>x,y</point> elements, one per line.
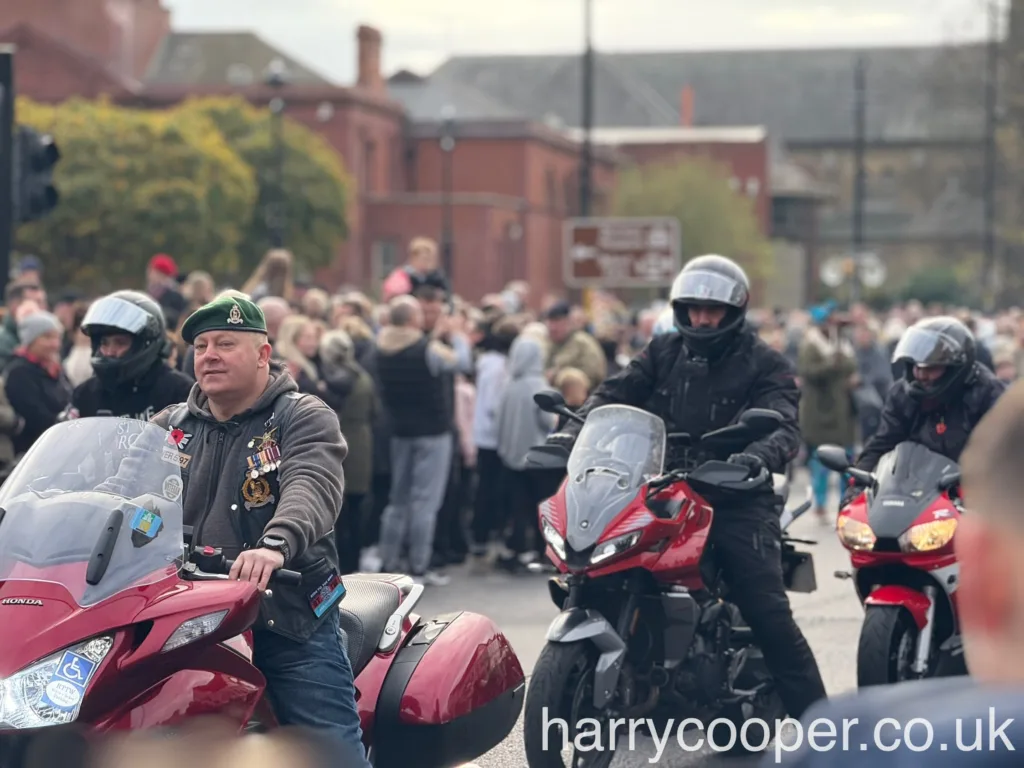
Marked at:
<point>560,697</point>
<point>888,645</point>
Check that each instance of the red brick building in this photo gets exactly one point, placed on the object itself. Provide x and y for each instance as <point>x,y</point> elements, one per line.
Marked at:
<point>513,179</point>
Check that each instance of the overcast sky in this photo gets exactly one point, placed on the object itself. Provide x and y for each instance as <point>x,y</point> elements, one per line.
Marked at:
<point>419,34</point>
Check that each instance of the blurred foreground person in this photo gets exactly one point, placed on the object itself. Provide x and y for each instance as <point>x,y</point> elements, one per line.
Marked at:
<point>978,720</point>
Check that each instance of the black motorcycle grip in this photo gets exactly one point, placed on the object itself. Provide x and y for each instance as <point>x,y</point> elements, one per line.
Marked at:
<point>282,575</point>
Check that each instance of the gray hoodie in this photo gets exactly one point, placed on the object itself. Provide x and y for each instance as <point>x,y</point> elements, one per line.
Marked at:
<point>521,424</point>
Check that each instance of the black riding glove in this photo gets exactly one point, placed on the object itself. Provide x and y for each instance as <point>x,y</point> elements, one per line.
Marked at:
<point>753,463</point>
<point>562,440</point>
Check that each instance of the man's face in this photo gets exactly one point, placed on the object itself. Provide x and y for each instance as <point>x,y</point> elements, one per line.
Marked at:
<point>47,346</point>
<point>431,313</point>
<point>706,317</point>
<point>559,328</point>
<point>423,260</point>
<point>65,312</point>
<point>928,374</point>
<point>33,295</point>
<point>227,361</point>
<point>115,344</point>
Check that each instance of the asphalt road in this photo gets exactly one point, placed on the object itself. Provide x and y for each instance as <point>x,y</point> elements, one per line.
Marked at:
<point>829,617</point>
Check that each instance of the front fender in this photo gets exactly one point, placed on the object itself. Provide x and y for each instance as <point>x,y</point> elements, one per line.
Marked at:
<point>915,602</point>
<point>579,624</point>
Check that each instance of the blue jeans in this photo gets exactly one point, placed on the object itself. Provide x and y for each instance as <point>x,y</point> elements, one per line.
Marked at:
<point>820,476</point>
<point>311,685</point>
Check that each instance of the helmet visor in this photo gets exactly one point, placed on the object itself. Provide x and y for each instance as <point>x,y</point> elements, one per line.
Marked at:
<point>927,347</point>
<point>702,286</point>
<point>116,313</point>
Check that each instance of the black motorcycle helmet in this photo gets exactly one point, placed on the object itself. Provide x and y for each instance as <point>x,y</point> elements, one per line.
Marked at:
<point>937,341</point>
<point>713,281</point>
<point>133,313</point>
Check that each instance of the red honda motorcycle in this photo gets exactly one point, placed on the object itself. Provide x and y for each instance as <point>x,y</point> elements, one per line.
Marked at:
<point>899,531</point>
<point>114,621</point>
<point>646,624</point>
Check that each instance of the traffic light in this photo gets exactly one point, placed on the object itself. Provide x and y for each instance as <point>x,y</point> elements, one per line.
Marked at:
<point>35,156</point>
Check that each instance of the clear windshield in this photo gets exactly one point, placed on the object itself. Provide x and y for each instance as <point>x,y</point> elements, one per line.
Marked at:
<point>58,523</point>
<point>618,450</point>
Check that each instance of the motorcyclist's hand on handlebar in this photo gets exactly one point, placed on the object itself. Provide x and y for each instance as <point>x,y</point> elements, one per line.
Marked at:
<point>256,566</point>
<point>754,463</point>
<point>561,439</point>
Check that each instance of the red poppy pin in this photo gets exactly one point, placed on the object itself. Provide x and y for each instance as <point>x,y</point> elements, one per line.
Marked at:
<point>941,427</point>
<point>178,438</point>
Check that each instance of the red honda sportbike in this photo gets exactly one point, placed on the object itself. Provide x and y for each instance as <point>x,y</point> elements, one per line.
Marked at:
<point>113,621</point>
<point>645,617</point>
<point>900,531</point>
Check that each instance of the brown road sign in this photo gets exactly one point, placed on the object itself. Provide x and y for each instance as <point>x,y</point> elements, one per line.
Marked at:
<point>621,252</point>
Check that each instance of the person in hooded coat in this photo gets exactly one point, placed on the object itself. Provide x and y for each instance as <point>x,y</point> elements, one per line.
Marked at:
<point>521,426</point>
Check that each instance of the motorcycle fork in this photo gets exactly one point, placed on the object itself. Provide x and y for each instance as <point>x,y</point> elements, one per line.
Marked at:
<point>924,637</point>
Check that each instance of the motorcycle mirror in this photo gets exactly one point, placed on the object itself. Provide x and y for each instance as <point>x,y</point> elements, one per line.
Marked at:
<point>761,420</point>
<point>949,481</point>
<point>549,401</point>
<point>834,458</point>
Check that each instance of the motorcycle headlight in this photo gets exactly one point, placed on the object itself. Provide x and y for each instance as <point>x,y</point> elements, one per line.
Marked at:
<point>50,691</point>
<point>924,537</point>
<point>616,546</point>
<point>855,534</point>
<point>553,537</point>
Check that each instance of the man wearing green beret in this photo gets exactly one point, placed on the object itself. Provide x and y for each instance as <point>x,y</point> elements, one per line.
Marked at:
<point>262,471</point>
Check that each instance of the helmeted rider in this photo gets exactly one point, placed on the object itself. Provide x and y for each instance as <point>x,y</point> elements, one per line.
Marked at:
<point>130,349</point>
<point>943,393</point>
<point>701,379</point>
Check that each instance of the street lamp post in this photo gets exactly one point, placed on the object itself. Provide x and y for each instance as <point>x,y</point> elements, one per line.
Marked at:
<point>447,183</point>
<point>276,77</point>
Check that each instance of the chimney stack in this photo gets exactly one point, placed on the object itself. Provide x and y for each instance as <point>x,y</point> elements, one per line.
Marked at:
<point>686,107</point>
<point>370,43</point>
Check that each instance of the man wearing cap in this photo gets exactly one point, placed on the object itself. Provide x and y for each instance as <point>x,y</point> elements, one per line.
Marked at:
<point>262,471</point>
<point>162,285</point>
<point>571,347</point>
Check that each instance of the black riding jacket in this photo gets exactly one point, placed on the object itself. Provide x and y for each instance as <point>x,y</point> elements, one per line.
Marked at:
<point>944,430</point>
<point>142,399</point>
<point>694,396</point>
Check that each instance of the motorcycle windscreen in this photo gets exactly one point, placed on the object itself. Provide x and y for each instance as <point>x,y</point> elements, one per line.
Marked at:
<point>618,450</point>
<point>908,478</point>
<point>58,523</point>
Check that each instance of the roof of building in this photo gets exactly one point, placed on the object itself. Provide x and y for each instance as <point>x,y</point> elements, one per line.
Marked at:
<point>798,95</point>
<point>672,135</point>
<point>222,58</point>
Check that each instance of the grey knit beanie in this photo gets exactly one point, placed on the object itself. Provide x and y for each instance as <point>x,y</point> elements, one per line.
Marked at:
<point>36,325</point>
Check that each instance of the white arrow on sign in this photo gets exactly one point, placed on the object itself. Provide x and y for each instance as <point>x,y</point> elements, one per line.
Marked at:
<point>833,272</point>
<point>872,271</point>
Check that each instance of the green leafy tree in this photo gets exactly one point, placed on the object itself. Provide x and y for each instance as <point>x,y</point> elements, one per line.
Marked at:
<point>188,181</point>
<point>316,186</point>
<point>712,218</point>
<point>132,184</point>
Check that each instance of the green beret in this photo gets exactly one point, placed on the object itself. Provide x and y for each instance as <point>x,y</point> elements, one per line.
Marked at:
<point>224,314</point>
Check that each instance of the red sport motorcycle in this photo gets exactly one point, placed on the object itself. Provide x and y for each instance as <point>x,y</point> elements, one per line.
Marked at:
<point>899,531</point>
<point>646,621</point>
<point>114,621</point>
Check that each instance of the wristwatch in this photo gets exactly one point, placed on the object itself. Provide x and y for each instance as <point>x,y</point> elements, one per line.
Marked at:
<point>275,543</point>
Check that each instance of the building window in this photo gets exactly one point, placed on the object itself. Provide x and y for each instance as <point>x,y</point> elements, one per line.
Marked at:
<point>369,167</point>
<point>384,259</point>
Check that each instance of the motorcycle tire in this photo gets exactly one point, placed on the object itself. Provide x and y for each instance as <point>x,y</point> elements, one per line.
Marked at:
<point>887,646</point>
<point>552,687</point>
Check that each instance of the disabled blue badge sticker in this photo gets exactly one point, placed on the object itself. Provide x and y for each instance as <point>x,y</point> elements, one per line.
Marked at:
<point>66,688</point>
<point>147,523</point>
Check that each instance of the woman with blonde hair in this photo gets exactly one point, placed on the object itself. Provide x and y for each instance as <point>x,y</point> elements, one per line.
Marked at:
<point>296,344</point>
<point>275,276</point>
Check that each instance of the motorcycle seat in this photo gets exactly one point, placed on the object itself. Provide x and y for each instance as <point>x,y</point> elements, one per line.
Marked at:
<point>781,485</point>
<point>369,601</point>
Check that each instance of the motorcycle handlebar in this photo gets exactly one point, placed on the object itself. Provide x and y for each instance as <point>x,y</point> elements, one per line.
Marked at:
<point>281,575</point>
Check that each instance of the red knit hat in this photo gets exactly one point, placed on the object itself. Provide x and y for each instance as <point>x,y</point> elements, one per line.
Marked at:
<point>164,264</point>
